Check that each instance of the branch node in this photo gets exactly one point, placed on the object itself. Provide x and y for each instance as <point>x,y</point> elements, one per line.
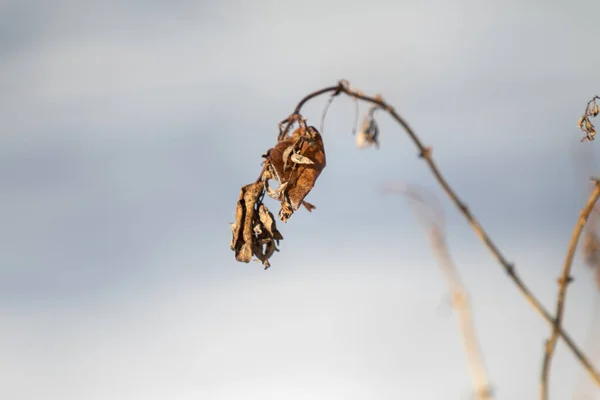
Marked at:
<point>510,269</point>
<point>565,281</point>
<point>426,153</point>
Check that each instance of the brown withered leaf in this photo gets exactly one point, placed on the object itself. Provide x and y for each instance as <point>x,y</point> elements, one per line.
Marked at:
<point>264,253</point>
<point>242,230</point>
<point>277,157</point>
<point>267,220</point>
<point>254,232</point>
<point>300,177</point>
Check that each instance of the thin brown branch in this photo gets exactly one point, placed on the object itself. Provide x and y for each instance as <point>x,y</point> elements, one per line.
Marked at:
<point>563,282</point>
<point>431,217</point>
<point>426,153</point>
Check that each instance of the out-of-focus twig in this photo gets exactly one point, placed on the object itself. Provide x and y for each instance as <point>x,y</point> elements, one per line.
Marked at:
<point>563,282</point>
<point>430,215</point>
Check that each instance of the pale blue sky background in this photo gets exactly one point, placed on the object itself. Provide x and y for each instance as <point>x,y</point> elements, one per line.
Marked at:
<point>128,129</point>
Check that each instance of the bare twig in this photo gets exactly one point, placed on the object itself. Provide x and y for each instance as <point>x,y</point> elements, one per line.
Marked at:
<point>432,220</point>
<point>563,282</point>
<point>425,153</point>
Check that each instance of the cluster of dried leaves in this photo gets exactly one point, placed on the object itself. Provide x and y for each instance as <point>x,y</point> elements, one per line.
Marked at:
<point>297,160</point>
<point>592,110</point>
<point>294,164</point>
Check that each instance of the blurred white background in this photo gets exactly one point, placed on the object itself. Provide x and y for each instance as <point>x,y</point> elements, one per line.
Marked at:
<point>127,129</point>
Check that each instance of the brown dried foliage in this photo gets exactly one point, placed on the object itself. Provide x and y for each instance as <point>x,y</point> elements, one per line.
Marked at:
<point>254,232</point>
<point>295,163</point>
<point>585,124</point>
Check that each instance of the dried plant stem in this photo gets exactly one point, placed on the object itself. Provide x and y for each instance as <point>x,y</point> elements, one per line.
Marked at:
<point>460,298</point>
<point>425,153</point>
<point>460,301</point>
<point>563,282</point>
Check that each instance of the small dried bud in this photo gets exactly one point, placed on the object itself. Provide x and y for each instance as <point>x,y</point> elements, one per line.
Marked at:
<point>368,135</point>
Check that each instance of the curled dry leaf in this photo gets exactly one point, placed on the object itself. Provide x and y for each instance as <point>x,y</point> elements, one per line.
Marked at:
<point>585,124</point>
<point>286,156</point>
<point>268,222</point>
<point>295,163</point>
<point>300,159</point>
<point>254,232</point>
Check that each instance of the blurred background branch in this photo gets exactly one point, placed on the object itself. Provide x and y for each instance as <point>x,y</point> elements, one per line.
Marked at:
<point>431,217</point>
